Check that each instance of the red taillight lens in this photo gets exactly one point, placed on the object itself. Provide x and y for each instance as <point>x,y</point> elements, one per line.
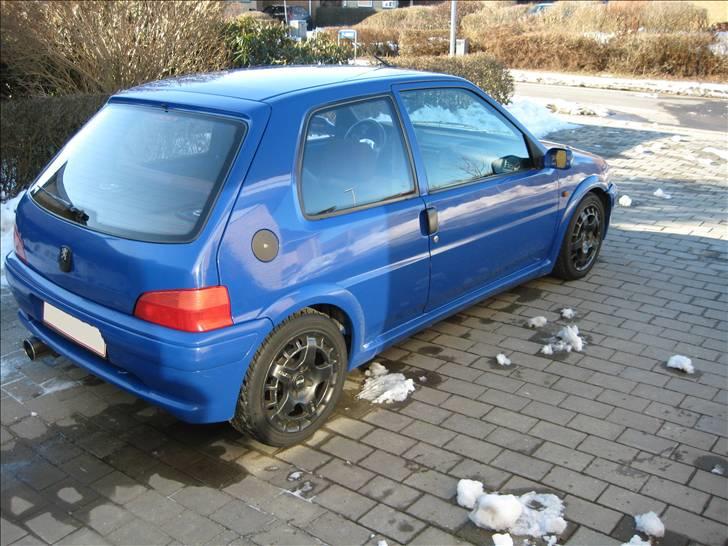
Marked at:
<point>197,310</point>
<point>19,246</point>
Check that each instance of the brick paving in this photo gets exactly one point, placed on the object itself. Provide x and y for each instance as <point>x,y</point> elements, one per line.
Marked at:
<point>611,430</point>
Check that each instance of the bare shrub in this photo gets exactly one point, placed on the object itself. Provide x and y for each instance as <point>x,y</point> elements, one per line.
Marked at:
<point>424,42</point>
<point>479,68</point>
<point>94,46</point>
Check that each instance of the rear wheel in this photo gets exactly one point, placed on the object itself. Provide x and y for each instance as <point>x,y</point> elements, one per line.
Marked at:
<point>294,380</point>
<point>582,241</point>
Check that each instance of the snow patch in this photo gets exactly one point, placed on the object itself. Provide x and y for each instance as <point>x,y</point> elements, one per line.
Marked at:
<point>625,201</point>
<point>636,540</point>
<point>503,360</point>
<point>7,224</point>
<point>676,138</point>
<point>718,469</point>
<point>56,385</point>
<point>723,154</point>
<point>502,539</point>
<point>559,106</point>
<point>660,193</point>
<point>568,313</point>
<point>382,387</point>
<point>570,335</point>
<point>547,349</point>
<point>537,118</point>
<point>536,322</point>
<point>680,362</point>
<point>382,543</point>
<point>650,524</point>
<point>496,512</point>
<point>468,493</point>
<point>295,476</point>
<point>542,515</point>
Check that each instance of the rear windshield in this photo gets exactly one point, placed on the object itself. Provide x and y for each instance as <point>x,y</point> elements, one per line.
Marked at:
<point>142,173</point>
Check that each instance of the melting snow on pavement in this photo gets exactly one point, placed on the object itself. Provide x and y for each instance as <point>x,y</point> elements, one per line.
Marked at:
<point>382,387</point>
<point>625,201</point>
<point>660,193</point>
<point>503,360</point>
<point>533,514</point>
<point>502,539</point>
<point>636,540</point>
<point>650,524</point>
<point>680,362</point>
<point>568,313</point>
<point>568,339</point>
<point>537,118</point>
<point>537,322</point>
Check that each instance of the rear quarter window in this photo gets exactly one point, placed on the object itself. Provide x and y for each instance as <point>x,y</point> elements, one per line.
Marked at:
<point>142,172</point>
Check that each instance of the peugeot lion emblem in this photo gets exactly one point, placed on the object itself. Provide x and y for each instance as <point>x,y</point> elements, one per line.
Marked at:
<point>65,259</point>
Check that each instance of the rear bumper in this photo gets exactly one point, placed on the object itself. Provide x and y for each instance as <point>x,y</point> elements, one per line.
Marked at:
<point>194,376</point>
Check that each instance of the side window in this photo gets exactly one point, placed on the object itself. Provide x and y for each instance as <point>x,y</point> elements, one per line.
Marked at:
<point>463,138</point>
<point>353,155</point>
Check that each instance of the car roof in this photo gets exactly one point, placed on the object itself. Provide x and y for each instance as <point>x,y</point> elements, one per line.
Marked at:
<point>261,84</point>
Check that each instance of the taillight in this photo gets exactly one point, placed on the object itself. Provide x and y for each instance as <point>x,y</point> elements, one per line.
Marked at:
<point>196,310</point>
<point>19,246</point>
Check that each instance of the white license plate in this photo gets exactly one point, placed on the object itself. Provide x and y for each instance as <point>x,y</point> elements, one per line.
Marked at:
<point>74,329</point>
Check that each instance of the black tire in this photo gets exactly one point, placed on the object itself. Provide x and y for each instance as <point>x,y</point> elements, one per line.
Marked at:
<point>582,240</point>
<point>294,380</point>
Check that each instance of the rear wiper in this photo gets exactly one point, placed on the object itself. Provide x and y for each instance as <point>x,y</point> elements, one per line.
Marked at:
<point>77,214</point>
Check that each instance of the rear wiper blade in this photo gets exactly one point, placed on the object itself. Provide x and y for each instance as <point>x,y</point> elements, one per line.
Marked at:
<point>77,214</point>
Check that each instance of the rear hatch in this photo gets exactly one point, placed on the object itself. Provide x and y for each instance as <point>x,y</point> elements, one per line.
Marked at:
<point>137,199</point>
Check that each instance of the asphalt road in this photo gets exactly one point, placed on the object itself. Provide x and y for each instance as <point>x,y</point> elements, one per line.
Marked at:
<point>689,112</point>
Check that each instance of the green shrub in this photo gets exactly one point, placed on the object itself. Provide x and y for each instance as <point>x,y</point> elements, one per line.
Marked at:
<point>255,43</point>
<point>481,69</point>
<point>332,16</point>
<point>34,130</point>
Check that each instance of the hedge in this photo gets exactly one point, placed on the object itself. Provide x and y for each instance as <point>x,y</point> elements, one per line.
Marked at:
<point>34,130</point>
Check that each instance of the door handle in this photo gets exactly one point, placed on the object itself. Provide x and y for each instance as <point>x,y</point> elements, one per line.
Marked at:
<point>433,223</point>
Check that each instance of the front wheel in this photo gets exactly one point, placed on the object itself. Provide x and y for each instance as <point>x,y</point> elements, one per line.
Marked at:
<point>582,241</point>
<point>294,380</point>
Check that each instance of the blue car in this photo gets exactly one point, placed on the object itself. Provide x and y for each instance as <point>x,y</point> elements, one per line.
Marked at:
<point>228,246</point>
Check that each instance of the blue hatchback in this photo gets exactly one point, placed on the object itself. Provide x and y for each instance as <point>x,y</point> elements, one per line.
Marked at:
<point>228,246</point>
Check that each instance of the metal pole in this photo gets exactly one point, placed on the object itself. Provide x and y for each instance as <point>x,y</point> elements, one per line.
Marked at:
<point>285,11</point>
<point>453,25</point>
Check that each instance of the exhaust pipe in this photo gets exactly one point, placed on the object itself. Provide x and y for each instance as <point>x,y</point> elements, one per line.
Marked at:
<point>34,347</point>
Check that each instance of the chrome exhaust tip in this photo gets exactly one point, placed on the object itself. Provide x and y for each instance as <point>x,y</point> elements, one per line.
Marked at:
<point>34,347</point>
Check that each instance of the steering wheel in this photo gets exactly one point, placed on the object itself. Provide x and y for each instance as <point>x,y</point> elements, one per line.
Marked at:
<point>362,131</point>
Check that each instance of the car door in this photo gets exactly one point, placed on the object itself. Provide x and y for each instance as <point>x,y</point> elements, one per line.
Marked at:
<point>491,211</point>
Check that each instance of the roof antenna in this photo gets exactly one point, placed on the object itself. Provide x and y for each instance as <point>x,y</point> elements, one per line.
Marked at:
<point>381,61</point>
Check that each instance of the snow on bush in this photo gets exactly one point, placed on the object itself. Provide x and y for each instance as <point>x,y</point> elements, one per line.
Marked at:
<point>382,387</point>
<point>503,360</point>
<point>537,118</point>
<point>536,322</point>
<point>496,512</point>
<point>7,223</point>
<point>660,193</point>
<point>680,362</point>
<point>650,524</point>
<point>468,493</point>
<point>625,201</point>
<point>567,313</point>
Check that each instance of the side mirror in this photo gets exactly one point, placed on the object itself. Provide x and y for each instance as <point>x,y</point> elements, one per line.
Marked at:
<point>557,158</point>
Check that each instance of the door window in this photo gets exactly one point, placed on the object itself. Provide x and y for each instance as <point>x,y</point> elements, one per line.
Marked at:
<point>463,138</point>
<point>354,156</point>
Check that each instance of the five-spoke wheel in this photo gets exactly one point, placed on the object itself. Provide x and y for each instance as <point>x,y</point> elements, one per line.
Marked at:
<point>583,239</point>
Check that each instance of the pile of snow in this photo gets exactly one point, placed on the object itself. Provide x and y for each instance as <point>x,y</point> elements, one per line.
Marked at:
<point>536,117</point>
<point>723,154</point>
<point>503,360</point>
<point>636,540</point>
<point>680,362</point>
<point>568,339</point>
<point>533,514</point>
<point>559,106</point>
<point>568,313</point>
<point>650,524</point>
<point>382,387</point>
<point>676,138</point>
<point>718,469</point>
<point>503,539</point>
<point>468,493</point>
<point>537,322</point>
<point>7,223</point>
<point>660,193</point>
<point>625,201</point>
<point>295,476</point>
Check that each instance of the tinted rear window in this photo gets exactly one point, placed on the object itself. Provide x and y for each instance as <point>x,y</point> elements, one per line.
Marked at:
<point>141,173</point>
